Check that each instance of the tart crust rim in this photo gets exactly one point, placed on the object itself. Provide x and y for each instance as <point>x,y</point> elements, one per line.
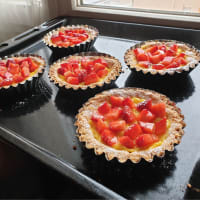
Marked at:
<point>92,37</point>
<point>174,136</point>
<point>130,60</point>
<point>30,78</point>
<point>112,75</point>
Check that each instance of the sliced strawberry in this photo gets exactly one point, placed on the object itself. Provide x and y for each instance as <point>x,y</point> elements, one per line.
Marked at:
<point>1,81</point>
<point>96,116</point>
<point>158,66</point>
<point>25,72</point>
<point>159,110</point>
<point>156,58</point>
<point>147,127</point>
<point>73,80</point>
<point>18,78</point>
<point>126,141</point>
<point>3,70</point>
<point>101,125</point>
<point>24,63</point>
<point>101,61</point>
<point>118,125</point>
<point>133,131</point>
<point>114,114</point>
<point>142,57</point>
<point>56,39</point>
<point>75,66</point>
<point>180,61</point>
<point>152,49</point>
<point>161,126</point>
<point>170,52</point>
<point>163,48</point>
<point>10,61</point>
<point>138,51</point>
<point>13,68</point>
<point>128,114</point>
<point>128,102</point>
<point>8,79</point>
<point>61,71</point>
<point>144,64</point>
<point>33,66</point>
<point>146,116</point>
<point>98,66</point>
<point>116,101</point>
<point>144,105</point>
<point>91,78</point>
<point>173,65</point>
<point>2,64</point>
<point>174,47</point>
<point>108,137</point>
<point>181,55</point>
<point>104,108</point>
<point>82,73</point>
<point>102,73</point>
<point>145,140</point>
<point>167,60</point>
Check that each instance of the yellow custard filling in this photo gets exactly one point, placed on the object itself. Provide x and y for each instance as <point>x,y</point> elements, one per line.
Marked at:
<point>119,134</point>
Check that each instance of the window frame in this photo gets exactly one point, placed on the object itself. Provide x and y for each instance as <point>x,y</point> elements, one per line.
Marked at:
<point>73,8</point>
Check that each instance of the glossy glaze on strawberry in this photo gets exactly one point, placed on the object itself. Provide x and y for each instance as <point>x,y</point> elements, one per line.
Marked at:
<point>130,123</point>
<point>69,37</point>
<point>160,56</point>
<point>16,70</point>
<point>83,70</point>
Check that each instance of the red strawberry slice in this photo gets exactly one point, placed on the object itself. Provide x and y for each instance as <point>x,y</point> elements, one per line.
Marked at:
<point>146,116</point>
<point>156,58</point>
<point>98,66</point>
<point>1,81</point>
<point>3,70</point>
<point>118,125</point>
<point>144,64</point>
<point>152,49</point>
<point>91,78</point>
<point>61,71</point>
<point>133,131</point>
<point>167,60</point>
<point>25,71</point>
<point>10,61</point>
<point>8,79</point>
<point>170,52</point>
<point>101,125</point>
<point>147,127</point>
<point>73,80</point>
<point>101,61</point>
<point>114,114</point>
<point>163,48</point>
<point>13,68</point>
<point>104,108</point>
<point>108,137</point>
<point>116,101</point>
<point>161,126</point>
<point>144,105</point>
<point>128,102</point>
<point>17,78</point>
<point>138,51</point>
<point>145,140</point>
<point>126,141</point>
<point>96,116</point>
<point>56,39</point>
<point>2,64</point>
<point>158,67</point>
<point>159,110</point>
<point>32,66</point>
<point>174,47</point>
<point>128,114</point>
<point>102,73</point>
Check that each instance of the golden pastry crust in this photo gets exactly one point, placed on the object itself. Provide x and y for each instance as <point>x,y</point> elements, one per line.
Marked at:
<point>115,69</point>
<point>37,73</point>
<point>90,30</point>
<point>191,52</point>
<point>85,133</point>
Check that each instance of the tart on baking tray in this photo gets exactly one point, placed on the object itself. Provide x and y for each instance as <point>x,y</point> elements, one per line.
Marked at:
<point>18,69</point>
<point>162,56</point>
<point>85,70</point>
<point>72,36</point>
<point>130,123</point>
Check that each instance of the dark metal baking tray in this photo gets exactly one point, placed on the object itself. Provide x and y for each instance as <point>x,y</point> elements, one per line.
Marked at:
<point>41,123</point>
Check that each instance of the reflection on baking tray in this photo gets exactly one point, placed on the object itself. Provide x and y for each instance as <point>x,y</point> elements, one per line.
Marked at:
<point>23,103</point>
<point>176,89</point>
<point>69,101</point>
<point>126,177</point>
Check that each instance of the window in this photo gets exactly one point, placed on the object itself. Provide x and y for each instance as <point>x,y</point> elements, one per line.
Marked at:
<point>178,13</point>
